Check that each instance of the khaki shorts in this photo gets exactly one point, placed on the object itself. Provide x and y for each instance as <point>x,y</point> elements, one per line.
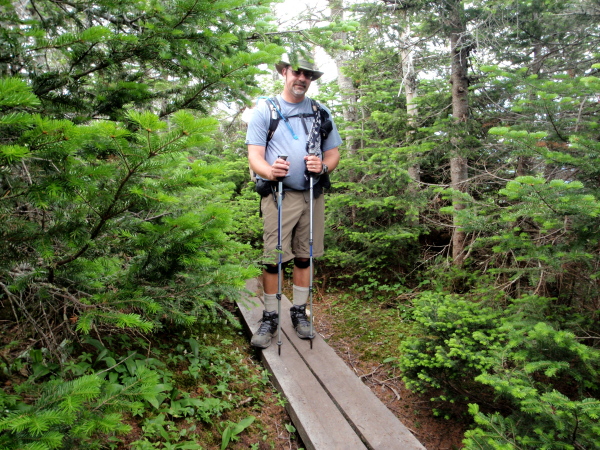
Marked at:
<point>295,217</point>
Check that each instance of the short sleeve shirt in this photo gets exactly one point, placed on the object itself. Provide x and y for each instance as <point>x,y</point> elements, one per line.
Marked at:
<point>283,142</point>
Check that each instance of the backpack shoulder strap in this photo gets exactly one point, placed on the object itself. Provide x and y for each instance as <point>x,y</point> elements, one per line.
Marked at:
<point>276,114</point>
<point>326,124</point>
<point>316,106</point>
<point>273,118</point>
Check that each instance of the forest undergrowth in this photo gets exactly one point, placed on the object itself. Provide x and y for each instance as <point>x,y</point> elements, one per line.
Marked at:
<point>197,389</point>
<point>200,388</point>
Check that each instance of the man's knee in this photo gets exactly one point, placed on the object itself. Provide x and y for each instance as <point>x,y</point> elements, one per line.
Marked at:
<point>274,268</point>
<point>302,263</point>
<point>271,268</point>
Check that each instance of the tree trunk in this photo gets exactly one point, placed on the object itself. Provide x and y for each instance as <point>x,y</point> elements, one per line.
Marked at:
<point>459,173</point>
<point>409,80</point>
<point>347,89</point>
<point>347,92</point>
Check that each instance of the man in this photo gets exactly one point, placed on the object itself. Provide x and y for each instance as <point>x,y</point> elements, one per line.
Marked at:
<point>290,139</point>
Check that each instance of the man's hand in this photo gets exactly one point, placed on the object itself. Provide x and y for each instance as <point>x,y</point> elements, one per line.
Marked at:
<point>313,163</point>
<point>279,169</point>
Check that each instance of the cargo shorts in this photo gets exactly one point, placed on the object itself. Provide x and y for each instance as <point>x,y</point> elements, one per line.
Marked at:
<point>295,217</point>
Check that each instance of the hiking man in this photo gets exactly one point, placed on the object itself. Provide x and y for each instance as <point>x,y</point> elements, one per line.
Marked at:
<point>294,137</point>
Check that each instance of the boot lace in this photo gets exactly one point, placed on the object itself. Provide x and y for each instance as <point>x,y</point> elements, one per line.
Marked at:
<point>266,326</point>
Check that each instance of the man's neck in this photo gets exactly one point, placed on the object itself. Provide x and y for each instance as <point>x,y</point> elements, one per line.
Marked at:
<point>290,98</point>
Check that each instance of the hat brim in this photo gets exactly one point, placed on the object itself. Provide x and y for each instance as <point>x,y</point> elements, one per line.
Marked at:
<point>283,64</point>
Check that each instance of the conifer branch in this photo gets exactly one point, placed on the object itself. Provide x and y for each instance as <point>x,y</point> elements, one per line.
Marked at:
<point>74,63</point>
<point>166,144</point>
<point>119,151</point>
<point>104,217</point>
<point>112,19</point>
<point>150,219</point>
<point>186,15</point>
<point>200,91</point>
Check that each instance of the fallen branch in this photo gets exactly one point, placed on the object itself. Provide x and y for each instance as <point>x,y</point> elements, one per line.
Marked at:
<point>370,373</point>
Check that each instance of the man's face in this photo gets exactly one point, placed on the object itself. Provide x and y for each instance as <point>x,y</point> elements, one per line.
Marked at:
<point>297,82</point>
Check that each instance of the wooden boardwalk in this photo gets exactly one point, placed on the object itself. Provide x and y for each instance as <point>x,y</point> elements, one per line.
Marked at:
<point>329,405</point>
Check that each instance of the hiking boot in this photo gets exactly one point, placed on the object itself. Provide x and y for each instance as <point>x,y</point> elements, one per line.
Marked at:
<point>266,331</point>
<point>300,321</point>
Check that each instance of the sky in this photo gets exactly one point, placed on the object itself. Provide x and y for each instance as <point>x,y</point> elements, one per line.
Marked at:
<point>288,10</point>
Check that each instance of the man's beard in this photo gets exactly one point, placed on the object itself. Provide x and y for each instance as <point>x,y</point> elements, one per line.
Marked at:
<point>299,89</point>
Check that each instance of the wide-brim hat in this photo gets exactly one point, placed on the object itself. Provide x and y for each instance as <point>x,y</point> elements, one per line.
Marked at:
<point>300,64</point>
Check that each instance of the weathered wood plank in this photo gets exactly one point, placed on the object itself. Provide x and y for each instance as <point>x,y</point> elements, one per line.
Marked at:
<point>315,416</point>
<point>378,427</point>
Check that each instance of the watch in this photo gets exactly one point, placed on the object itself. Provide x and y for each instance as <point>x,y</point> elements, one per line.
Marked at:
<point>324,169</point>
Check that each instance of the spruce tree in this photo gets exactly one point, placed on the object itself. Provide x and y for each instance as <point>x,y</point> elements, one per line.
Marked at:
<point>110,217</point>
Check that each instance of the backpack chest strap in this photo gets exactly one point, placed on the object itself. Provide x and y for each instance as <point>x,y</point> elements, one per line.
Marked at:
<point>276,115</point>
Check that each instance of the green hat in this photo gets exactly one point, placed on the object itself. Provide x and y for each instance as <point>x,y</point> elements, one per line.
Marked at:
<point>300,64</point>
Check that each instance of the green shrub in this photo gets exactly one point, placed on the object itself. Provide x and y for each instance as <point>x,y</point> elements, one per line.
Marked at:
<point>73,414</point>
<point>547,381</point>
<point>453,341</point>
<point>119,229</point>
<point>551,381</point>
<point>169,390</point>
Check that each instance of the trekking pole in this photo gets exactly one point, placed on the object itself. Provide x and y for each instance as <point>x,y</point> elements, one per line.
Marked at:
<point>310,244</point>
<point>279,250</point>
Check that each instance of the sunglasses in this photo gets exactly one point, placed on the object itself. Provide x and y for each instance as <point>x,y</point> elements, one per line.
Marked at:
<point>309,75</point>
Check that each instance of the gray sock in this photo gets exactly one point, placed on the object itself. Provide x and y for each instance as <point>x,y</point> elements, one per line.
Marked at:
<point>270,302</point>
<point>301,295</point>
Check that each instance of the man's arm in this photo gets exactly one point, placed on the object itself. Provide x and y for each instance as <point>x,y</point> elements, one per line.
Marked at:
<point>260,166</point>
<point>331,158</point>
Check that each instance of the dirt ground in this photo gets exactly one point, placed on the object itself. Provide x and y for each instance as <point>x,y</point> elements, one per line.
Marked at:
<point>416,412</point>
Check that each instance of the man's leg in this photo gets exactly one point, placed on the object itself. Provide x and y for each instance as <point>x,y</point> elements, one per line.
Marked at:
<point>270,287</point>
<point>270,319</point>
<point>301,281</point>
<point>301,293</point>
<point>302,249</point>
<point>267,329</point>
<point>269,282</point>
<point>302,275</point>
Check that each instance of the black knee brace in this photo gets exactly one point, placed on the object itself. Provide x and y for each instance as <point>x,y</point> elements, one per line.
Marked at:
<point>271,268</point>
<point>302,263</point>
<point>274,268</point>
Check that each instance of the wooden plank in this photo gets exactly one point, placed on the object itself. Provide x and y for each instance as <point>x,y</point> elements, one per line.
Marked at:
<point>315,416</point>
<point>378,427</point>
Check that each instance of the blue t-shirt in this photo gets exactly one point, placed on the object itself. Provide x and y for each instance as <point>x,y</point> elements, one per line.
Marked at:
<point>283,143</point>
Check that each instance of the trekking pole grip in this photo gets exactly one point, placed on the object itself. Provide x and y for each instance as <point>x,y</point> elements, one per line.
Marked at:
<point>284,157</point>
<point>311,152</point>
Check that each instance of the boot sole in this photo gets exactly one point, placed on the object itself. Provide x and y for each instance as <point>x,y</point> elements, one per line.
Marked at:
<point>260,346</point>
<point>302,336</point>
<point>268,344</point>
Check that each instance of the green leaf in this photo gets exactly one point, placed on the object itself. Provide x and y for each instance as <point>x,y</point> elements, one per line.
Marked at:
<point>242,425</point>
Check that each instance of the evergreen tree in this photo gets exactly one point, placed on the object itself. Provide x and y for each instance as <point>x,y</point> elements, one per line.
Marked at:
<point>97,60</point>
<point>110,217</point>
